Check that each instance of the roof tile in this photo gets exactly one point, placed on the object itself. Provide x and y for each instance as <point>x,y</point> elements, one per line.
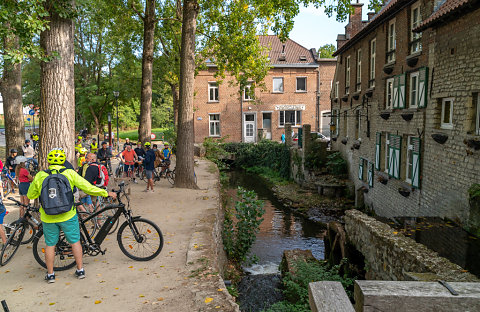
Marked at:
<point>293,51</point>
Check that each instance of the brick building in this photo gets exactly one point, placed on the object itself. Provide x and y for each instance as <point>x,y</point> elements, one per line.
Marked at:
<point>391,84</point>
<point>298,92</point>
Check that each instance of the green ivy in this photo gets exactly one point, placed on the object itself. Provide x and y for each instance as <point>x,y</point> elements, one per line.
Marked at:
<point>239,235</point>
<point>474,191</point>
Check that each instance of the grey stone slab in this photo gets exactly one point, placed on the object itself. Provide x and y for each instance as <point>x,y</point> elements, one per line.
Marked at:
<point>328,297</point>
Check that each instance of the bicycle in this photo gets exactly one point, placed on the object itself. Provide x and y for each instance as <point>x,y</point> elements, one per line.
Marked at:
<point>172,175</point>
<point>143,236</point>
<point>17,233</point>
<point>7,181</point>
<point>31,166</point>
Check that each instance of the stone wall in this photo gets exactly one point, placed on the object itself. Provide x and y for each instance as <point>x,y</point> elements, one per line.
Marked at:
<point>391,256</point>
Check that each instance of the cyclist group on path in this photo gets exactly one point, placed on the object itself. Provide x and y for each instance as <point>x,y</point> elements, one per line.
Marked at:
<point>60,187</point>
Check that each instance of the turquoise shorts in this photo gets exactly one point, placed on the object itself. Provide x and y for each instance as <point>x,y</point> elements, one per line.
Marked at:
<point>71,229</point>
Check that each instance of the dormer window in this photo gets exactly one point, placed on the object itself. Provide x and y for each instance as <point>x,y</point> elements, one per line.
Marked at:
<point>303,58</point>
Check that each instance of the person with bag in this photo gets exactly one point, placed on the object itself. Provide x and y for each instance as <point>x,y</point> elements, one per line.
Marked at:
<point>149,166</point>
<point>24,178</point>
<point>54,188</point>
<point>95,173</point>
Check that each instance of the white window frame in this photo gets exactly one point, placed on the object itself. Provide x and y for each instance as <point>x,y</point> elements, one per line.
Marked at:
<point>296,84</point>
<point>210,122</point>
<point>347,75</point>
<point>373,54</point>
<point>389,91</point>
<point>387,151</point>
<point>445,125</point>
<point>246,96</point>
<point>417,47</point>
<point>391,41</point>
<point>212,85</point>
<point>408,172</point>
<point>281,123</point>
<point>336,120</point>
<point>477,115</point>
<point>337,84</point>
<point>358,85</point>
<point>273,84</point>
<point>411,89</point>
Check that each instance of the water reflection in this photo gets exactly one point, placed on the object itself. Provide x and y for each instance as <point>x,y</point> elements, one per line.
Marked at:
<point>281,230</point>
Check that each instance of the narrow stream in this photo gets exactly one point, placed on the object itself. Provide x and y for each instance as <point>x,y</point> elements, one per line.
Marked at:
<point>280,230</point>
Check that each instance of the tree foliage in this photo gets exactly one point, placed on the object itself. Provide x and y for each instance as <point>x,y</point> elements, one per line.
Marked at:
<point>326,50</point>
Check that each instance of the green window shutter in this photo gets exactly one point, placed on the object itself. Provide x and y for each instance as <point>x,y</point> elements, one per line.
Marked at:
<point>416,162</point>
<point>395,91</point>
<point>391,156</point>
<point>422,87</point>
<point>396,144</point>
<point>360,169</point>
<point>370,174</point>
<point>378,150</point>
<point>402,90</point>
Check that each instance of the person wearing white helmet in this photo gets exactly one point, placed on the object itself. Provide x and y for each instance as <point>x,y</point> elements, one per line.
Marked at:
<point>25,178</point>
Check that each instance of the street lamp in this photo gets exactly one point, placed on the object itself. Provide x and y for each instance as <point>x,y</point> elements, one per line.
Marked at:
<point>110,130</point>
<point>116,94</point>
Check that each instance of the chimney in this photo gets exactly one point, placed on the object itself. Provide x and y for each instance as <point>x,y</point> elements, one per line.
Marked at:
<point>370,15</point>
<point>282,56</point>
<point>354,21</point>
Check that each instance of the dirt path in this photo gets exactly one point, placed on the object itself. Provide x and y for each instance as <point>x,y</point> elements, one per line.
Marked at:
<point>182,278</point>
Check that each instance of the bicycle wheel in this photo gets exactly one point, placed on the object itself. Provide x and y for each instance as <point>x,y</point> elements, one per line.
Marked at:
<point>119,171</point>
<point>170,176</point>
<point>90,225</point>
<point>29,232</point>
<point>12,244</point>
<point>146,246</point>
<point>63,260</point>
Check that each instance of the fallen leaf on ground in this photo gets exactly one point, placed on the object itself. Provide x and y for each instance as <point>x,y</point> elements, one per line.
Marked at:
<point>208,300</point>
<point>67,283</point>
<point>141,296</point>
<point>51,303</point>
<point>98,301</point>
<point>130,267</point>
<point>116,288</point>
<point>171,251</point>
<point>220,289</point>
<point>160,299</point>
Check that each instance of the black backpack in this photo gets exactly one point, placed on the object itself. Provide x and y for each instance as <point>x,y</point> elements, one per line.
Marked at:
<point>56,196</point>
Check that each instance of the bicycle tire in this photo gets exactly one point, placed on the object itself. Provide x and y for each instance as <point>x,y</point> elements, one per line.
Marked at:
<point>149,231</point>
<point>11,246</point>
<point>29,232</point>
<point>170,176</point>
<point>101,218</point>
<point>91,225</point>
<point>64,259</point>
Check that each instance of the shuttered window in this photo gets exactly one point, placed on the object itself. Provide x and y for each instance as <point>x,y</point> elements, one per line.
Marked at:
<point>394,160</point>
<point>402,90</point>
<point>415,176</point>
<point>378,150</point>
<point>395,91</point>
<point>360,169</point>
<point>370,174</point>
<point>422,87</point>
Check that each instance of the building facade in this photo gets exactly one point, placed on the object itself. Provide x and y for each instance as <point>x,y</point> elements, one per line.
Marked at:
<point>390,105</point>
<point>297,91</point>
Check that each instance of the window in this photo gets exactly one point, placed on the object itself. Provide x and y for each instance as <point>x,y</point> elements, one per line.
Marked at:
<point>293,117</point>
<point>477,116</point>
<point>373,51</point>
<point>394,155</point>
<point>278,85</point>
<point>336,90</point>
<point>359,70</point>
<point>358,119</point>
<point>212,92</point>
<point>412,167</point>
<point>301,84</point>
<point>247,93</point>
<point>387,150</point>
<point>347,76</point>
<point>335,122</point>
<point>413,90</point>
<point>389,94</point>
<point>415,38</point>
<point>447,114</point>
<point>409,164</point>
<point>392,42</point>
<point>214,123</point>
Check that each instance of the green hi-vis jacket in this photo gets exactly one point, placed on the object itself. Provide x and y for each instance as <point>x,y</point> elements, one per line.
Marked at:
<point>75,180</point>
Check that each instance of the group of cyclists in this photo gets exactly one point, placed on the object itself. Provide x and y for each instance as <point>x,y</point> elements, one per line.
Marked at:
<point>84,184</point>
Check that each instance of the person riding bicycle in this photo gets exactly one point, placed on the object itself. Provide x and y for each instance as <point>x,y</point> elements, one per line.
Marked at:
<point>158,156</point>
<point>140,155</point>
<point>167,153</point>
<point>81,158</point>
<point>104,154</point>
<point>94,146</point>
<point>66,221</point>
<point>34,137</point>
<point>149,163</point>
<point>29,152</point>
<point>129,158</point>
<point>127,142</point>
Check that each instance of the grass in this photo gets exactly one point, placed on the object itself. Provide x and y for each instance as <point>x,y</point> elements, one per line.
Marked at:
<point>133,134</point>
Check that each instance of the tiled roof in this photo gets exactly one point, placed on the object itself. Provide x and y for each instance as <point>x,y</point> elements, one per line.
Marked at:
<point>293,54</point>
<point>446,9</point>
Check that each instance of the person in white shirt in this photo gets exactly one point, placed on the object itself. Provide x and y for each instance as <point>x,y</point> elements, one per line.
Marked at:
<point>29,152</point>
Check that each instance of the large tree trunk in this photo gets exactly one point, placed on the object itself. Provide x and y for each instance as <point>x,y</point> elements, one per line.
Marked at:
<point>57,106</point>
<point>145,126</point>
<point>11,89</point>
<point>184,176</point>
<point>176,100</point>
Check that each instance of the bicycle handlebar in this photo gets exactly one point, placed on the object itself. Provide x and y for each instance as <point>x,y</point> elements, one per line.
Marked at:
<point>29,207</point>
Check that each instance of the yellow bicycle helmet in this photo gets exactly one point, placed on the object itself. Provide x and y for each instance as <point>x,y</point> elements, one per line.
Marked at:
<point>147,144</point>
<point>83,151</point>
<point>56,157</point>
<point>80,138</point>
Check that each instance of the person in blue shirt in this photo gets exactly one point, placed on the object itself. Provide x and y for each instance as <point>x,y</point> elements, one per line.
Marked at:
<point>167,153</point>
<point>149,162</point>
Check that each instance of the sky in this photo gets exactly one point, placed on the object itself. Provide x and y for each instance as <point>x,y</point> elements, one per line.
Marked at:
<point>313,28</point>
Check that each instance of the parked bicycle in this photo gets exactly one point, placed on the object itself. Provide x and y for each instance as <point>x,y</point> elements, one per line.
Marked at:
<point>8,183</point>
<point>22,231</point>
<point>139,239</point>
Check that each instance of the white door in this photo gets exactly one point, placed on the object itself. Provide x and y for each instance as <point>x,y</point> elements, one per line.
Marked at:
<point>249,128</point>
<point>267,125</point>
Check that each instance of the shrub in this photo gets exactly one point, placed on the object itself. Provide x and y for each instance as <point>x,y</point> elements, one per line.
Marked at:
<point>474,191</point>
<point>336,164</point>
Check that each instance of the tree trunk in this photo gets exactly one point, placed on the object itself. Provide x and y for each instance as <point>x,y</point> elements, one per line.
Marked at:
<point>11,89</point>
<point>145,126</point>
<point>57,106</point>
<point>184,176</point>
<point>176,100</point>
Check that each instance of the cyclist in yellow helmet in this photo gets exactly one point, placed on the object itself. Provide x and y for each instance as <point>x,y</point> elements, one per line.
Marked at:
<point>78,145</point>
<point>81,158</point>
<point>64,221</point>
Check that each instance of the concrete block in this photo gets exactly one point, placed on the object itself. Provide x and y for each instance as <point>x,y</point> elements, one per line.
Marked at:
<point>328,297</point>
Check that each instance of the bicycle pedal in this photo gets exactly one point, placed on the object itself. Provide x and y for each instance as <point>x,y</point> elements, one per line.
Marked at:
<point>103,252</point>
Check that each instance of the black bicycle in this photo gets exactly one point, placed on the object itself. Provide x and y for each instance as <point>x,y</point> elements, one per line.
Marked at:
<point>20,232</point>
<point>139,239</point>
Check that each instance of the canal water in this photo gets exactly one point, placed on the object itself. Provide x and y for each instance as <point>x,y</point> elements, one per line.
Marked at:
<point>281,230</point>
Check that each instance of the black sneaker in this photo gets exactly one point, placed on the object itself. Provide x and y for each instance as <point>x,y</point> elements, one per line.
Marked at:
<point>80,274</point>
<point>50,278</point>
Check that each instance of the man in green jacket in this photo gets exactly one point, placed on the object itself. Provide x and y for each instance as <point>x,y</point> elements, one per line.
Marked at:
<point>68,221</point>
